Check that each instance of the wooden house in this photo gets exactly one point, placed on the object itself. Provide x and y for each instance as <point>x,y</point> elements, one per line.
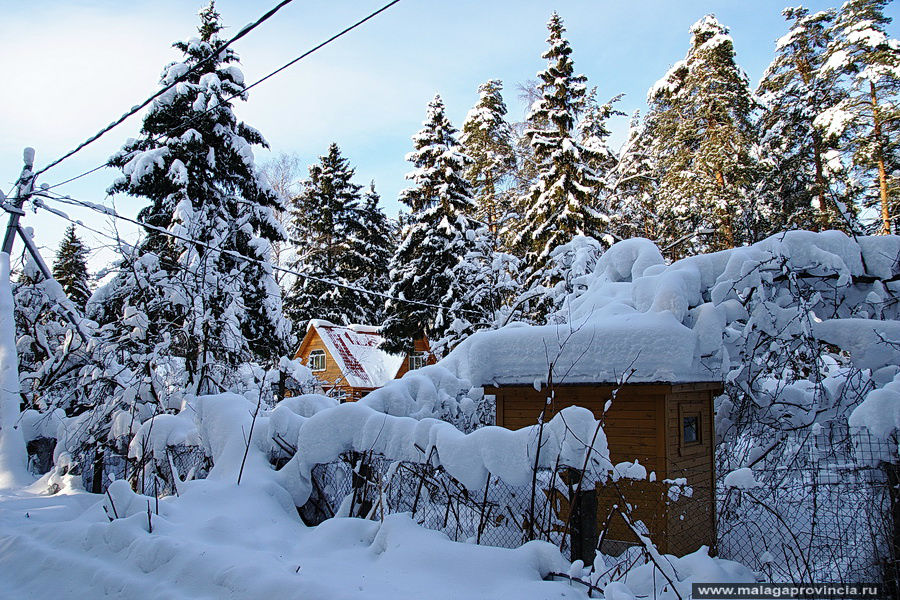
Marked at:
<point>348,360</point>
<point>660,412</point>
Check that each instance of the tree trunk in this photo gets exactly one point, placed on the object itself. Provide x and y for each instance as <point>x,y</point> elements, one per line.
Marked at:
<point>727,218</point>
<point>824,217</point>
<point>879,157</point>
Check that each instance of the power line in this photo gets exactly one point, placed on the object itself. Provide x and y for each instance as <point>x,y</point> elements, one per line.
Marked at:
<point>134,109</point>
<point>243,91</point>
<point>110,212</point>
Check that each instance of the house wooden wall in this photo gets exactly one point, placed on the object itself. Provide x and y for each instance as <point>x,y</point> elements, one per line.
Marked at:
<point>420,345</point>
<point>644,422</point>
<point>331,374</point>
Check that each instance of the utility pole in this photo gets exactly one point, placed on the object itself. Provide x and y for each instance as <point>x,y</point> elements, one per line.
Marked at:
<point>23,191</point>
<point>24,188</point>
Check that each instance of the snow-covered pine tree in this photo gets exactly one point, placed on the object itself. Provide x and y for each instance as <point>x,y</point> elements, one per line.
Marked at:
<point>70,268</point>
<point>633,188</point>
<point>868,117</point>
<point>704,138</point>
<point>331,246</point>
<point>795,89</point>
<point>374,245</point>
<point>194,162</point>
<point>436,236</point>
<point>562,203</point>
<point>487,139</point>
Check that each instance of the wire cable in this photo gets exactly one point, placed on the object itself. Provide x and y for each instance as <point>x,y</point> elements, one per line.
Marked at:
<point>194,118</point>
<point>134,109</point>
<point>105,210</point>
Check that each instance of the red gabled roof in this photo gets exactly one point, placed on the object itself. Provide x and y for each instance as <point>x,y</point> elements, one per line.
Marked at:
<point>355,349</point>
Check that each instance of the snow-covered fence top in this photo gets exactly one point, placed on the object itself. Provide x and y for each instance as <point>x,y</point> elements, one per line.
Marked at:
<point>638,318</point>
<point>573,438</point>
<point>315,431</point>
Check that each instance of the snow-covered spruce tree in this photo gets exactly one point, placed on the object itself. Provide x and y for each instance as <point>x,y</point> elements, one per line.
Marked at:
<point>704,137</point>
<point>561,203</point>
<point>633,187</point>
<point>487,139</point>
<point>594,134</point>
<point>373,247</point>
<point>194,162</point>
<point>490,282</point>
<point>70,268</point>
<point>436,236</point>
<point>328,232</point>
<point>803,191</point>
<point>860,51</point>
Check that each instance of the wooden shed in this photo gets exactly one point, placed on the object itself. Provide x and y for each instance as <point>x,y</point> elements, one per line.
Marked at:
<point>668,427</point>
<point>348,362</point>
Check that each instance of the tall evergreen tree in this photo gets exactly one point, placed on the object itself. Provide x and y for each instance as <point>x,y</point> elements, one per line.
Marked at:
<point>330,236</point>
<point>375,246</point>
<point>594,134</point>
<point>437,235</point>
<point>794,90</point>
<point>562,203</point>
<point>487,139</point>
<point>70,268</point>
<point>634,187</point>
<point>868,118</point>
<point>489,280</point>
<point>704,141</point>
<point>210,211</point>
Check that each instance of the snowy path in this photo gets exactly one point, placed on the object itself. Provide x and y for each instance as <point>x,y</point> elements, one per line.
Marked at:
<point>243,542</point>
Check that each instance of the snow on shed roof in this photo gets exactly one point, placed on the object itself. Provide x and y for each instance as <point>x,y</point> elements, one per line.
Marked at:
<point>355,349</point>
<point>628,346</point>
<point>640,319</point>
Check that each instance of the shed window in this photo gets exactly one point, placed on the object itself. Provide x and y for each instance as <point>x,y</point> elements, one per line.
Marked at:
<point>417,360</point>
<point>316,361</point>
<point>690,429</point>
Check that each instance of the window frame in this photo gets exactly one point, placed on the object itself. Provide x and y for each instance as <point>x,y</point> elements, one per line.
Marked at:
<point>315,354</point>
<point>697,446</point>
<point>696,429</point>
<point>415,357</point>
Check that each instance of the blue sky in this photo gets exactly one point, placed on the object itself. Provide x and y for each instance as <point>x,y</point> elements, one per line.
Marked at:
<point>71,67</point>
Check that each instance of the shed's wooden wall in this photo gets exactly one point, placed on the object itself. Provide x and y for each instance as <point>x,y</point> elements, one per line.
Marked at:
<point>634,428</point>
<point>691,520</point>
<point>643,423</point>
<point>634,421</point>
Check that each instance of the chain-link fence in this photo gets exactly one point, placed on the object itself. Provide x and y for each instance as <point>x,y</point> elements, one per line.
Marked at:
<point>822,508</point>
<point>826,509</point>
<point>151,475</point>
<point>829,514</point>
<point>578,512</point>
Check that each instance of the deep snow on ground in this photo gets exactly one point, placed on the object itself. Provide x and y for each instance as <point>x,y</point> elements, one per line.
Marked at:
<point>221,540</point>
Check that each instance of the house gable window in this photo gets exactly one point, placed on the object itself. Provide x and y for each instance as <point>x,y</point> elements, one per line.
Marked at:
<point>316,360</point>
<point>417,360</point>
